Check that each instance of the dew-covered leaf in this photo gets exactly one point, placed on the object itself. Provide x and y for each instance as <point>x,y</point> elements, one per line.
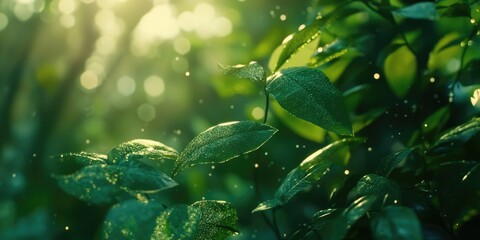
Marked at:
<point>396,222</point>
<point>331,51</point>
<point>147,151</point>
<point>140,178</point>
<point>92,184</point>
<point>387,164</point>
<point>455,136</point>
<point>104,183</point>
<point>420,10</point>
<point>203,220</point>
<point>131,219</point>
<point>400,70</point>
<point>223,142</point>
<point>308,172</point>
<point>373,185</point>
<point>298,40</point>
<point>253,71</point>
<point>308,94</point>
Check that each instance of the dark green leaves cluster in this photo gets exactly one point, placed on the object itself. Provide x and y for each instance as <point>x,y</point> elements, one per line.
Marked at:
<point>203,220</point>
<point>129,169</point>
<point>134,170</point>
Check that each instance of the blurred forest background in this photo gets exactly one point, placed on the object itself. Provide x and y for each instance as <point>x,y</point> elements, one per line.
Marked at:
<point>85,75</point>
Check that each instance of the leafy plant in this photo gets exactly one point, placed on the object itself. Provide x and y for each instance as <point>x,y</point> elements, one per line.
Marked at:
<point>397,162</point>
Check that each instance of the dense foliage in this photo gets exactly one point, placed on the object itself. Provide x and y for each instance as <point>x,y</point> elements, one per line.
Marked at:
<point>362,124</point>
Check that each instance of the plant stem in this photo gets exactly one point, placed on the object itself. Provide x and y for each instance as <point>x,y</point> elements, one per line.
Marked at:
<point>272,224</point>
<point>267,104</point>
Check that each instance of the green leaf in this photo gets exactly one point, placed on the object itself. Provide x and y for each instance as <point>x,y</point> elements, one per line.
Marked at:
<point>386,166</point>
<point>457,185</point>
<point>385,189</point>
<point>223,142</point>
<point>436,120</point>
<point>253,71</point>
<point>301,127</point>
<point>400,70</point>
<point>396,222</point>
<point>139,178</point>
<point>298,40</point>
<point>459,9</point>
<point>131,219</point>
<point>147,151</point>
<point>334,224</point>
<point>308,94</point>
<point>421,10</point>
<point>203,220</point>
<point>308,172</point>
<point>331,51</point>
<point>456,136</point>
<point>92,184</point>
<point>84,158</point>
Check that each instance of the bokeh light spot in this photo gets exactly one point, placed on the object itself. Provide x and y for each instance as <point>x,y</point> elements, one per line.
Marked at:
<point>182,45</point>
<point>126,85</point>
<point>89,80</point>
<point>3,21</point>
<point>257,113</point>
<point>154,86</point>
<point>146,112</point>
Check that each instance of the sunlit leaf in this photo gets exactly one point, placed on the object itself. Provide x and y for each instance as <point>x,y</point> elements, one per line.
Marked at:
<point>84,158</point>
<point>147,151</point>
<point>297,41</point>
<point>373,185</point>
<point>455,136</point>
<point>396,222</point>
<point>253,71</point>
<point>387,164</point>
<point>203,220</point>
<point>420,10</point>
<point>308,94</point>
<point>301,127</point>
<point>400,70</point>
<point>223,142</point>
<point>308,172</point>
<point>131,219</point>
